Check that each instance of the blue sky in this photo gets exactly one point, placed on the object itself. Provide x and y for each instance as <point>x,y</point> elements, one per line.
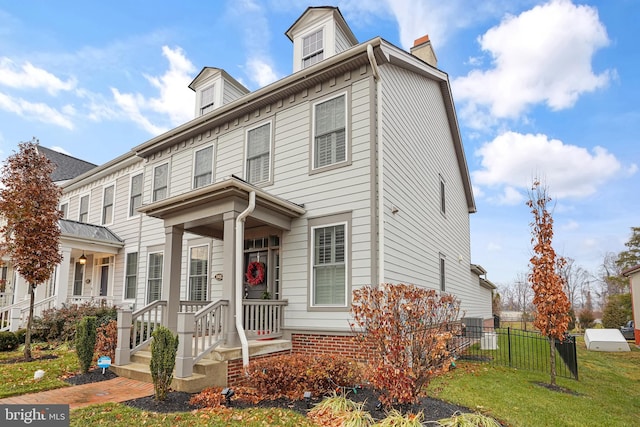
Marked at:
<point>542,88</point>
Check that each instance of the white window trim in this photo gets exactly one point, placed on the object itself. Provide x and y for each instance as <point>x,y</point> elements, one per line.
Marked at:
<point>146,281</point>
<point>80,206</point>
<point>124,283</point>
<point>153,181</point>
<point>113,205</point>
<point>442,272</point>
<point>347,134</point>
<point>131,176</point>
<point>442,195</point>
<point>316,52</point>
<point>62,203</point>
<point>188,270</point>
<point>210,106</point>
<point>246,152</point>
<point>193,165</point>
<point>314,224</point>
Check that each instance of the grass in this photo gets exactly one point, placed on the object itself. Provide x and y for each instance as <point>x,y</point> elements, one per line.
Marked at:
<point>17,378</point>
<point>606,395</point>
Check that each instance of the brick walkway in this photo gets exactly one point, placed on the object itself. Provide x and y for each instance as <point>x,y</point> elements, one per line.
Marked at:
<point>116,390</point>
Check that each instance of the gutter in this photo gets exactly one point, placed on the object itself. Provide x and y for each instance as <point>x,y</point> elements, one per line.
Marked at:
<point>238,295</point>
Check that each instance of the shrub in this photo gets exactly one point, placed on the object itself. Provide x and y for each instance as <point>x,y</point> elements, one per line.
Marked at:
<point>586,318</point>
<point>617,311</point>
<point>21,334</point>
<point>395,419</point>
<point>291,375</point>
<point>406,330</point>
<point>86,341</point>
<point>8,341</point>
<point>59,324</point>
<point>339,411</point>
<point>163,359</point>
<point>107,340</point>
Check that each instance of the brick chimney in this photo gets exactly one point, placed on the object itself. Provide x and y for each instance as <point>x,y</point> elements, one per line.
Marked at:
<point>422,49</point>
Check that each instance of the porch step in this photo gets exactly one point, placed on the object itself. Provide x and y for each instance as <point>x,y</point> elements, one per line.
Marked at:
<point>206,373</point>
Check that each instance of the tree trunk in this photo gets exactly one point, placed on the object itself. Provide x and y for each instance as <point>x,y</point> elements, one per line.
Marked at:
<point>27,336</point>
<point>552,359</point>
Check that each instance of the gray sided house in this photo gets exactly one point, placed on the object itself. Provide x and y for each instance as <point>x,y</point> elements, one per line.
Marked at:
<point>246,229</point>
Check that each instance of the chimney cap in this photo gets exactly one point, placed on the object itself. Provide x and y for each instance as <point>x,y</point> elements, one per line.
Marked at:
<point>421,40</point>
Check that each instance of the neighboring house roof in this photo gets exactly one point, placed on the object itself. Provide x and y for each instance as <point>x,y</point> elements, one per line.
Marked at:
<point>629,271</point>
<point>67,167</point>
<point>84,231</point>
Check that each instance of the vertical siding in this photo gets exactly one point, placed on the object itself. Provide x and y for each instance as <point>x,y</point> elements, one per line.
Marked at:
<point>418,149</point>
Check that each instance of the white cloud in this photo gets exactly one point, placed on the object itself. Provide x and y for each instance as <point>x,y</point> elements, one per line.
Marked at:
<point>36,111</point>
<point>542,55</point>
<point>261,72</point>
<point>570,225</point>
<point>60,150</point>
<point>31,77</point>
<point>175,102</point>
<point>513,160</point>
<point>511,196</point>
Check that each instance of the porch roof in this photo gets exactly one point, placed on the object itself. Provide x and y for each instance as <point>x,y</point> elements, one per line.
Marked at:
<point>201,211</point>
<point>89,232</point>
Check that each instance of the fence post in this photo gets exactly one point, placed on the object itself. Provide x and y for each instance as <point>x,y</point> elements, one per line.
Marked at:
<point>184,358</point>
<point>123,346</point>
<point>509,344</point>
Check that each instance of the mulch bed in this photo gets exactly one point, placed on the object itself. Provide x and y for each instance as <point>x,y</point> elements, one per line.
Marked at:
<point>93,376</point>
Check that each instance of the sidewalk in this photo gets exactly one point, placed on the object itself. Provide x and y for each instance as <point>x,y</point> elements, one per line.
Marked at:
<point>115,390</point>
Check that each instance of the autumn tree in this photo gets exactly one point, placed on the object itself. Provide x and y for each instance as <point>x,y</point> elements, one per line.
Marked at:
<point>552,304</point>
<point>29,207</point>
<point>404,330</point>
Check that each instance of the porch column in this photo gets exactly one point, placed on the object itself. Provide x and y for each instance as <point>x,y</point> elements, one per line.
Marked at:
<point>171,275</point>
<point>62,281</point>
<point>231,337</point>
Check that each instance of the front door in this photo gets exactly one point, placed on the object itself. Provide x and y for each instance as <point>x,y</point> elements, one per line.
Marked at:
<point>104,280</point>
<point>262,268</point>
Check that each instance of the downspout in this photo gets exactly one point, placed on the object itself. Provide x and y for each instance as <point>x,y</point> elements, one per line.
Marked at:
<point>380,149</point>
<point>239,276</point>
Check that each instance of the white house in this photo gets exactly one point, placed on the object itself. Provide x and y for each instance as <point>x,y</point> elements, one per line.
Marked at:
<point>275,204</point>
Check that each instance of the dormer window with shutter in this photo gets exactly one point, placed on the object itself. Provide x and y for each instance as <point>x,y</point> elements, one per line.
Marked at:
<point>206,99</point>
<point>312,51</point>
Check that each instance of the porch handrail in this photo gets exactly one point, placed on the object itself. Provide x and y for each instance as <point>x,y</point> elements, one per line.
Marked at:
<point>5,317</point>
<point>263,318</point>
<point>198,334</point>
<point>192,306</point>
<point>143,322</point>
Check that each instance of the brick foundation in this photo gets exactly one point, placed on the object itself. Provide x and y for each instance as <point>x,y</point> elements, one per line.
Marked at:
<point>340,345</point>
<point>235,373</point>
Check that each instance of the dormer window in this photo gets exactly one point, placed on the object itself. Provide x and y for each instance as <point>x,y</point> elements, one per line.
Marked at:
<point>206,100</point>
<point>312,50</point>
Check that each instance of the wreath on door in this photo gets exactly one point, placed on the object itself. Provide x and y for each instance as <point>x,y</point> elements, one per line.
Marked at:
<point>255,273</point>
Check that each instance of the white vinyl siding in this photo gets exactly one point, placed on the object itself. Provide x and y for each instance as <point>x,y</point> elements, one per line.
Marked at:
<point>83,215</point>
<point>329,266</point>
<point>258,154</point>
<point>154,277</point>
<point>160,182</point>
<point>131,275</point>
<point>203,167</point>
<point>108,196</point>
<point>198,273</point>
<point>330,126</point>
<point>135,194</point>
<point>312,49</point>
<point>207,96</point>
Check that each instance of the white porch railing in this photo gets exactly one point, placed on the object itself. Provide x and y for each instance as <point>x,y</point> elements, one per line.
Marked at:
<point>263,318</point>
<point>135,329</point>
<point>198,334</point>
<point>5,299</point>
<point>192,306</point>
<point>95,300</point>
<point>14,317</point>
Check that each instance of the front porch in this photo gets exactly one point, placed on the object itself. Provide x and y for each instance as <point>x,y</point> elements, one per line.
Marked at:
<point>203,360</point>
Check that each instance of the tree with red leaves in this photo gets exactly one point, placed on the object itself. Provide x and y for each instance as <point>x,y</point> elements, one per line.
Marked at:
<point>552,304</point>
<point>30,233</point>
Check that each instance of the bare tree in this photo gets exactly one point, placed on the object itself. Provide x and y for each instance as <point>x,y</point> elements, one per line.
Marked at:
<point>29,205</point>
<point>575,280</point>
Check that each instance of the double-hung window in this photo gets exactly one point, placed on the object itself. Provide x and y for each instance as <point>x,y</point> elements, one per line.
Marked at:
<point>198,273</point>
<point>131,275</point>
<point>312,49</point>
<point>160,182</point>
<point>135,194</point>
<point>443,276</point>
<point>64,210</point>
<point>83,216</point>
<point>329,140</point>
<point>206,100</point>
<point>443,204</point>
<point>78,279</point>
<point>259,154</point>
<point>329,275</point>
<point>203,167</point>
<point>107,205</point>
<point>154,277</point>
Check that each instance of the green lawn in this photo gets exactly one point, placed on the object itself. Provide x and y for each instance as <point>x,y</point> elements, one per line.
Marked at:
<point>608,393</point>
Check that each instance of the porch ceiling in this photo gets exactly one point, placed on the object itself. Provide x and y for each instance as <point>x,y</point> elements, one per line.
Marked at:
<point>201,211</point>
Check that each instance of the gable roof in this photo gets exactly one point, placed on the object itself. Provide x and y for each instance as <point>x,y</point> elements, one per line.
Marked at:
<point>314,12</point>
<point>67,167</point>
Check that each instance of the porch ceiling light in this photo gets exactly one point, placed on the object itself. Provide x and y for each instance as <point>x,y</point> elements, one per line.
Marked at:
<point>83,259</point>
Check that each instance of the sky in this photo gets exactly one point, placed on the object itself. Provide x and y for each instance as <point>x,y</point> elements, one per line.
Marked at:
<point>543,89</point>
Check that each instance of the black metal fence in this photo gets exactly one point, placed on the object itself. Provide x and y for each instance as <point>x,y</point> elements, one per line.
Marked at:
<point>515,348</point>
